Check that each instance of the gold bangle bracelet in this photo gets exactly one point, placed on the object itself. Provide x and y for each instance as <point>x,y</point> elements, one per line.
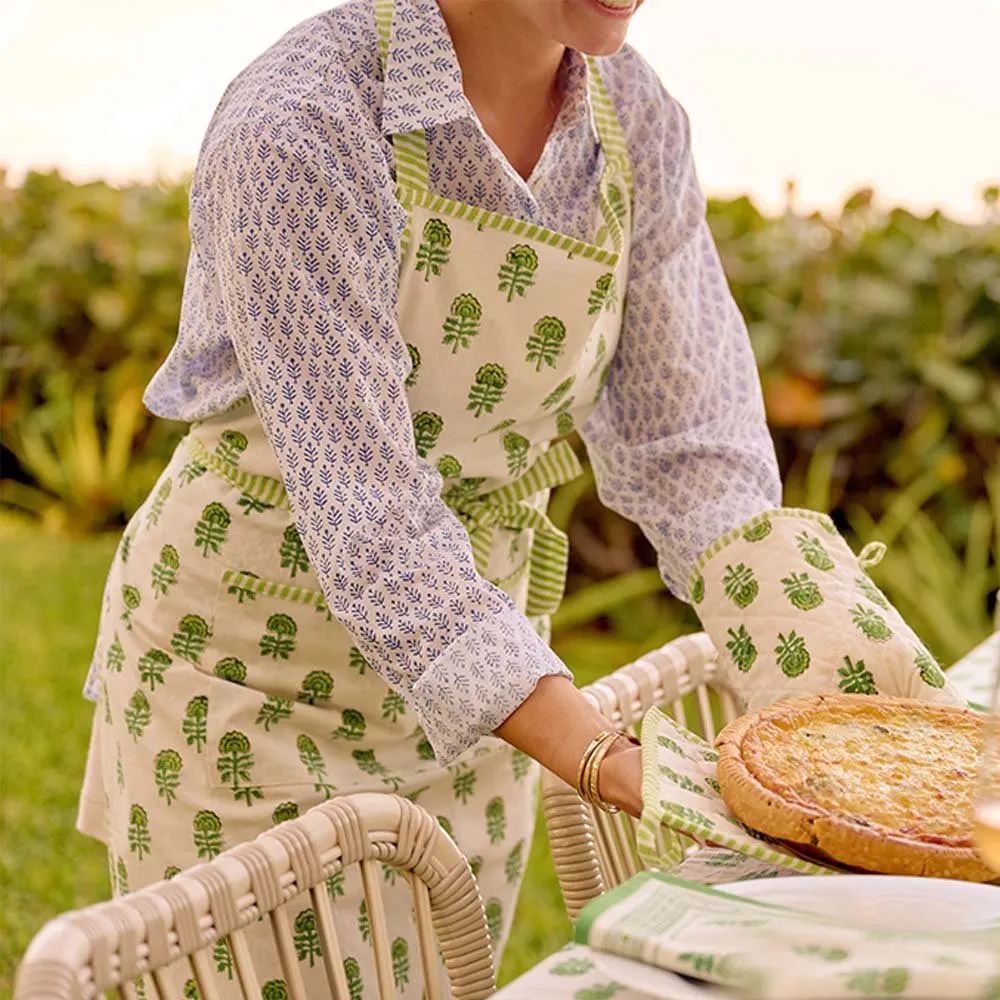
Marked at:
<point>582,768</point>
<point>588,770</point>
<point>593,775</point>
<point>588,783</point>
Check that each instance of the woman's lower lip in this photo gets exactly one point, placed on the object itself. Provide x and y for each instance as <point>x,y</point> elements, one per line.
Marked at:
<point>620,12</point>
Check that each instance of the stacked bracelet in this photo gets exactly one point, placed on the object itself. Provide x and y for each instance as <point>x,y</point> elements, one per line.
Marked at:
<point>587,774</point>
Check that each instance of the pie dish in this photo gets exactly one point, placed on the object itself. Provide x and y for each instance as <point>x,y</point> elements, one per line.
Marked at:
<point>873,783</point>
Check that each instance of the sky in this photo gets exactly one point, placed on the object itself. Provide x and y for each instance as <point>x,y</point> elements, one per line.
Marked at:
<point>897,94</point>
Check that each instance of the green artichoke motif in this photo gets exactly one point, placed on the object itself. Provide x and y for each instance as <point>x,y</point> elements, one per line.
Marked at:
<point>516,447</point>
<point>604,295</point>
<point>930,673</point>
<point>517,273</point>
<point>274,989</point>
<point>740,585</point>
<point>856,678</point>
<point>462,323</point>
<point>230,446</point>
<point>427,428</point>
<point>546,342</point>
<point>742,649</point>
<point>792,656</point>
<point>433,252</point>
<point>802,592</point>
<point>231,669</point>
<point>411,379</point>
<point>487,391</point>
<point>559,392</point>
<point>813,552</point>
<point>449,467</point>
<point>283,812</point>
<point>759,531</point>
<point>871,624</point>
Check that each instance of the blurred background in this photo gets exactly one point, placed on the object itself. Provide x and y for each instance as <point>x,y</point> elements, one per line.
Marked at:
<point>853,161</point>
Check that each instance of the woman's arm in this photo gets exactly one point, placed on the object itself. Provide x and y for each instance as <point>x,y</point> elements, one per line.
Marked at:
<point>679,441</point>
<point>556,723</point>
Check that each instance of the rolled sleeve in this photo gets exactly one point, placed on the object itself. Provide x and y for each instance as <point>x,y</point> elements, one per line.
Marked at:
<point>470,689</point>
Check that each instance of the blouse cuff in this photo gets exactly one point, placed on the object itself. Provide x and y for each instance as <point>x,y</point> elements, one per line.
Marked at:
<point>479,681</point>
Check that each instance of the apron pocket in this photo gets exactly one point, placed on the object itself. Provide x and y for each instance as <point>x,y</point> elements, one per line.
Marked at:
<point>291,701</point>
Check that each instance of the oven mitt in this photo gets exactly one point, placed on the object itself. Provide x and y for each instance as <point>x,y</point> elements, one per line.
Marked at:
<point>792,612</point>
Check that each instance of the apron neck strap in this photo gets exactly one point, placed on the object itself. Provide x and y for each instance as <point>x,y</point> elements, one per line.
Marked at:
<point>410,148</point>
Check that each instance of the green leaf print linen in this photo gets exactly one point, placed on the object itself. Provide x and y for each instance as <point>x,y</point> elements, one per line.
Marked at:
<point>793,612</point>
<point>760,950</point>
<point>681,796</point>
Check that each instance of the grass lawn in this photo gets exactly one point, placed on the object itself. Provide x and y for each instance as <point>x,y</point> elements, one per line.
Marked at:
<point>50,592</point>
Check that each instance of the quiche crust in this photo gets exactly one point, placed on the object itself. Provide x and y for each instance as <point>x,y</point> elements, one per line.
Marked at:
<point>872,783</point>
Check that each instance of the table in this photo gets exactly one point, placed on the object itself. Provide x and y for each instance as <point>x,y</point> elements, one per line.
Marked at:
<point>570,974</point>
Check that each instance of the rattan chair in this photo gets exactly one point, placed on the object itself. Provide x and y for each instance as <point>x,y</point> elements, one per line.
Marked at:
<point>79,955</point>
<point>594,851</point>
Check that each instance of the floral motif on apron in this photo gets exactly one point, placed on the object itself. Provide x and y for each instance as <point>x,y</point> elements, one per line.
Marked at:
<point>230,698</point>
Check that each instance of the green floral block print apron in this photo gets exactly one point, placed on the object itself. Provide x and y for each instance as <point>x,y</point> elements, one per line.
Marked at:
<point>232,700</point>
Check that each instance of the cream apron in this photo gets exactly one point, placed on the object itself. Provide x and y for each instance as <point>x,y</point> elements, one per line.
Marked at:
<point>229,698</point>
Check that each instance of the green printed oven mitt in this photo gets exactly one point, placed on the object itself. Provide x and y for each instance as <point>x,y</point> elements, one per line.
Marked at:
<point>792,611</point>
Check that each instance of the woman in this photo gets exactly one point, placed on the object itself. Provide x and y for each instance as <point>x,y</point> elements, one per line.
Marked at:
<point>428,240</point>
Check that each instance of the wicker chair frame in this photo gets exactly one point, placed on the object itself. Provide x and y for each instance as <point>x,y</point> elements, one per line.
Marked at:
<point>80,954</point>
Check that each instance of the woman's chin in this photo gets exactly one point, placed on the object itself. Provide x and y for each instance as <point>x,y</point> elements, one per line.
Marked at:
<point>600,25</point>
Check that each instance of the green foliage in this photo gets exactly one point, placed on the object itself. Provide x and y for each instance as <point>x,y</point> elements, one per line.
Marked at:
<point>91,302</point>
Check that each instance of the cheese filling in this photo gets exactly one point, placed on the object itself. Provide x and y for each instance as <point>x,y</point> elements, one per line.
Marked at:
<point>907,775</point>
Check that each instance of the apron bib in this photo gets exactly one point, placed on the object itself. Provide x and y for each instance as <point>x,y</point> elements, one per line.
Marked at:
<point>229,697</point>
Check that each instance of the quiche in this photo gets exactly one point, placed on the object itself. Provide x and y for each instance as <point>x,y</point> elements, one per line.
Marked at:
<point>869,782</point>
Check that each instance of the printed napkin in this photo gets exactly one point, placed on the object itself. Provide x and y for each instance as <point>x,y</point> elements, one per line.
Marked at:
<point>681,795</point>
<point>778,953</point>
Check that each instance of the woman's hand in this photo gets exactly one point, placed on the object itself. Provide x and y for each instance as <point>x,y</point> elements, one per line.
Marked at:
<point>619,780</point>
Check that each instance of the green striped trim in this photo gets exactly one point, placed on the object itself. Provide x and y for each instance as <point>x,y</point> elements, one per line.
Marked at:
<point>617,161</point>
<point>612,224</point>
<point>383,25</point>
<point>609,129</point>
<point>556,466</point>
<point>656,836</point>
<point>249,583</point>
<point>270,491</point>
<point>505,507</point>
<point>410,197</point>
<point>410,152</point>
<point>823,520</point>
<point>407,235</point>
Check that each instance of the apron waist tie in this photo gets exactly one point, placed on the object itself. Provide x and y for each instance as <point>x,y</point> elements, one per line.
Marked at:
<point>505,507</point>
<point>482,516</point>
